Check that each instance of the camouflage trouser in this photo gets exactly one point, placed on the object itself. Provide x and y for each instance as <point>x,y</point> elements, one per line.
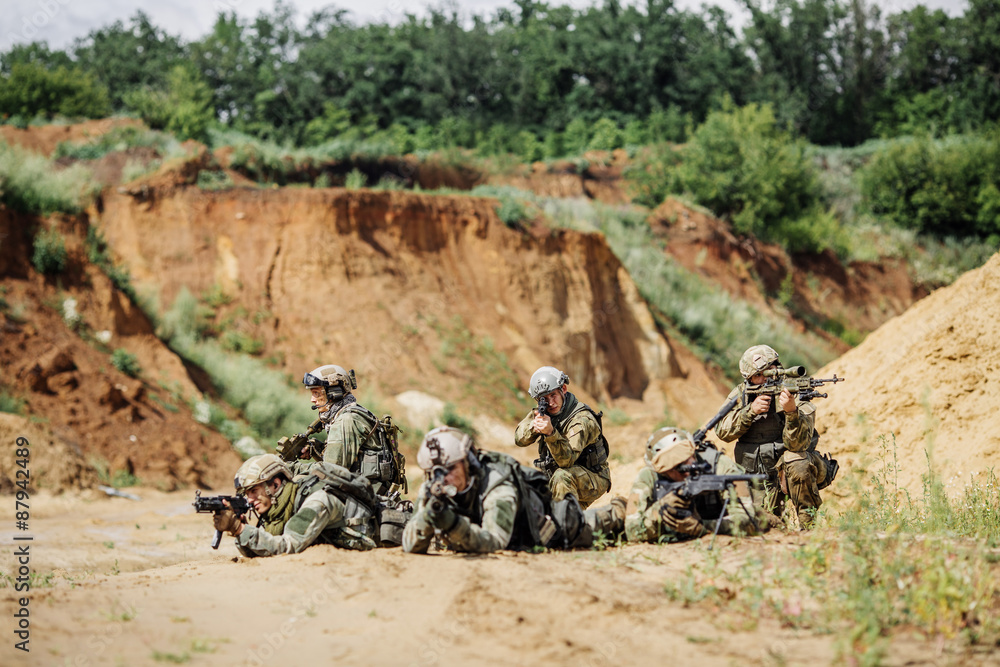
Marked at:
<point>794,475</point>
<point>587,486</point>
<point>799,474</point>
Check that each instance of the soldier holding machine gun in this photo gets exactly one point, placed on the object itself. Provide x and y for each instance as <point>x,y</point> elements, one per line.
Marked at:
<point>685,492</point>
<point>773,423</point>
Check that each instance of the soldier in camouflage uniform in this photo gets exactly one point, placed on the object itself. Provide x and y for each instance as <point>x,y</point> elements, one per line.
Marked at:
<point>662,515</point>
<point>294,513</point>
<point>572,449</point>
<point>350,439</point>
<point>484,495</point>
<point>778,439</point>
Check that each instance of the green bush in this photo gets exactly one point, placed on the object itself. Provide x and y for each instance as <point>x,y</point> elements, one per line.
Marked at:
<point>941,187</point>
<point>742,166</point>
<point>49,253</point>
<point>605,136</point>
<point>126,362</point>
<point>33,90</point>
<point>355,180</point>
<point>31,183</point>
<point>184,108</point>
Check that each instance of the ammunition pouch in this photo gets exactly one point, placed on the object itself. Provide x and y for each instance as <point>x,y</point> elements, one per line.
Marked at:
<point>832,467</point>
<point>391,524</point>
<point>593,457</point>
<point>761,459</point>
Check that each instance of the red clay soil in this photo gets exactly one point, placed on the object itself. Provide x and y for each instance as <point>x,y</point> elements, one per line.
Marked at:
<point>858,297</point>
<point>379,281</point>
<point>70,385</point>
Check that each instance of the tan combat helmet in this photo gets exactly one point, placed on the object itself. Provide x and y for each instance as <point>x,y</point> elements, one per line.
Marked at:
<point>334,379</point>
<point>545,380</point>
<point>757,359</point>
<point>442,447</point>
<point>257,469</point>
<point>667,448</point>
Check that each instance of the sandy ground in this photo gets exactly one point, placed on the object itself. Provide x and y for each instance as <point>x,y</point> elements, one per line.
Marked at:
<point>123,582</point>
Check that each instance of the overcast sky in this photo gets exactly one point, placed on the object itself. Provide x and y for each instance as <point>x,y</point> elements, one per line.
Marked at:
<point>59,22</point>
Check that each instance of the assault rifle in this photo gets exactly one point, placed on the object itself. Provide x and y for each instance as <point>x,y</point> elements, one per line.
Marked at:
<point>702,481</point>
<point>290,449</point>
<point>544,462</point>
<point>793,379</point>
<point>438,493</point>
<point>213,504</point>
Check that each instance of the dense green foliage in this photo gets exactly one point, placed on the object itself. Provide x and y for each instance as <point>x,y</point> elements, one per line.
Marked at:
<point>938,187</point>
<point>32,90</point>
<point>534,79</point>
<point>742,166</point>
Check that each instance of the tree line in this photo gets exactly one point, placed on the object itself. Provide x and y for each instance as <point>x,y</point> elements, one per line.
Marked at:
<point>835,72</point>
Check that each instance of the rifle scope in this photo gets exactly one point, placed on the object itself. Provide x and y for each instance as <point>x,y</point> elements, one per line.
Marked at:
<point>791,372</point>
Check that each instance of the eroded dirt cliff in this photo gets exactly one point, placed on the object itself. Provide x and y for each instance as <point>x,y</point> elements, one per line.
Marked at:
<point>414,291</point>
<point>55,348</point>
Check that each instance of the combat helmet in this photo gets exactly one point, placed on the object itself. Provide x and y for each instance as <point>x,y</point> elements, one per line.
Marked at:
<point>546,379</point>
<point>444,446</point>
<point>757,359</point>
<point>257,469</point>
<point>334,379</point>
<point>668,447</point>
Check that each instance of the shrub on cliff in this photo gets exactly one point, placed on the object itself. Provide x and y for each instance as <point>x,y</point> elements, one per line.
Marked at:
<point>939,187</point>
<point>48,255</point>
<point>31,183</point>
<point>746,169</point>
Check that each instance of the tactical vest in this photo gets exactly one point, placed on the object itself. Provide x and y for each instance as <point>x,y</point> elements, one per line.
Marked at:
<point>354,490</point>
<point>595,455</point>
<point>379,459</point>
<point>759,449</point>
<point>708,505</point>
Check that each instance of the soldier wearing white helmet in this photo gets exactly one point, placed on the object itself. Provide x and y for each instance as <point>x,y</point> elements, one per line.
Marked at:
<point>665,516</point>
<point>478,501</point>
<point>294,513</point>
<point>354,438</point>
<point>572,449</point>
<point>776,440</point>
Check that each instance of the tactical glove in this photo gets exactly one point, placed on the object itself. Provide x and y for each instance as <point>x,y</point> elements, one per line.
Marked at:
<point>441,515</point>
<point>683,522</point>
<point>674,506</point>
<point>226,521</point>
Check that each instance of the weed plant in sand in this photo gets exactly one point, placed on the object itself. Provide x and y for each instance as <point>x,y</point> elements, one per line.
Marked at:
<point>887,565</point>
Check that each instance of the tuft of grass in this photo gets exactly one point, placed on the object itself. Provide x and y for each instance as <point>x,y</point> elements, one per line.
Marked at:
<point>451,417</point>
<point>126,362</point>
<point>10,403</point>
<point>889,564</point>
